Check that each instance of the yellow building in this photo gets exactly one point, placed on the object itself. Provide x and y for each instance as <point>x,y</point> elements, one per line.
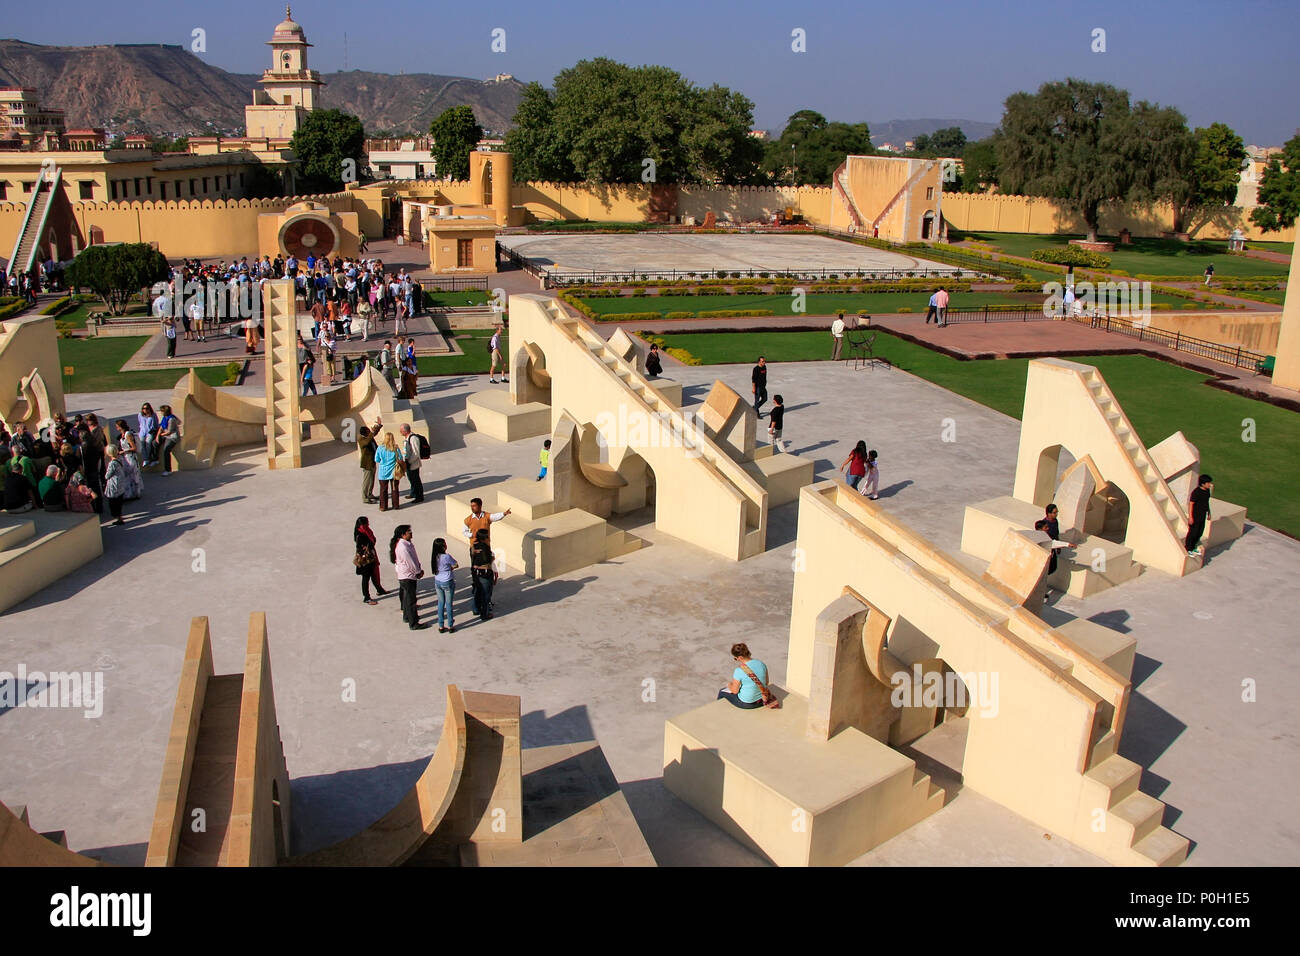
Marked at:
<point>288,90</point>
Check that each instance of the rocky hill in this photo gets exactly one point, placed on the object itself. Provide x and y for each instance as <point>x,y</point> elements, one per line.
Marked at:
<point>167,90</point>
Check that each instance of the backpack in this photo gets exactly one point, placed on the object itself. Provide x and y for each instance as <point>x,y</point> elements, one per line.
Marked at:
<point>425,451</point>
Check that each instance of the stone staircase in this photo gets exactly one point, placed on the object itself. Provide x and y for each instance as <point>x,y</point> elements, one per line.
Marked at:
<point>900,195</point>
<point>1141,459</point>
<point>842,190</point>
<point>650,401</point>
<point>38,209</point>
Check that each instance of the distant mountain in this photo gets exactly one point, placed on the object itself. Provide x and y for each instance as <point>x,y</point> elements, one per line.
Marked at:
<point>900,131</point>
<point>162,89</point>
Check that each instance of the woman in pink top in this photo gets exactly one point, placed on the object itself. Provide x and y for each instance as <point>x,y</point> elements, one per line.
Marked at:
<point>402,553</point>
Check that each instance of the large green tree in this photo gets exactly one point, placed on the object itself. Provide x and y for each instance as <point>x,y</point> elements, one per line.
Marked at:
<point>949,141</point>
<point>455,135</point>
<point>1164,152</point>
<point>979,162</point>
<point>1279,190</point>
<point>117,273</point>
<point>606,122</point>
<point>811,148</point>
<point>1072,141</point>
<point>539,155</point>
<point>330,146</point>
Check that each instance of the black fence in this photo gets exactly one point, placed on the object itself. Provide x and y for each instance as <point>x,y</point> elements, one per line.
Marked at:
<point>954,316</point>
<point>456,283</point>
<point>1235,355</point>
<point>558,280</point>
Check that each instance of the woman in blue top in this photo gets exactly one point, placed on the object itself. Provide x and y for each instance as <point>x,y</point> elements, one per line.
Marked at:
<point>443,565</point>
<point>386,457</point>
<point>742,690</point>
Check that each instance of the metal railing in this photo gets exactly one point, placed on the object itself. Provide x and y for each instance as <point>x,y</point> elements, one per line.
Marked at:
<point>556,280</point>
<point>456,283</point>
<point>1235,355</point>
<point>987,314</point>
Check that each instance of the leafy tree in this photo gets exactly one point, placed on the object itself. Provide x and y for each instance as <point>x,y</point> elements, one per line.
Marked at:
<point>949,141</point>
<point>1216,171</point>
<point>1165,154</point>
<point>979,162</point>
<point>1072,141</point>
<point>455,135</point>
<point>1279,190</point>
<point>165,144</point>
<point>605,120</point>
<point>810,148</point>
<point>322,144</point>
<point>539,156</point>
<point>117,273</point>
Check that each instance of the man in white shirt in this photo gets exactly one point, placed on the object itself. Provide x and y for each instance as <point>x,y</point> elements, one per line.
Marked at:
<point>837,332</point>
<point>498,360</point>
<point>411,446</point>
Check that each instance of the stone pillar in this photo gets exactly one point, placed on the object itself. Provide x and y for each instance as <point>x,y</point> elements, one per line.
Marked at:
<point>1286,372</point>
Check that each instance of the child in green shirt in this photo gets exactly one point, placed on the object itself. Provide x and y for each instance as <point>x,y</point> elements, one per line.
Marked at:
<point>545,458</point>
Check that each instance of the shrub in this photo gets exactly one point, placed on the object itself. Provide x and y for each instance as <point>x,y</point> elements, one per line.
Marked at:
<point>733,313</point>
<point>685,357</point>
<point>906,308</point>
<point>232,373</point>
<point>1071,256</point>
<point>629,317</point>
<point>58,306</point>
<point>680,315</point>
<point>9,307</point>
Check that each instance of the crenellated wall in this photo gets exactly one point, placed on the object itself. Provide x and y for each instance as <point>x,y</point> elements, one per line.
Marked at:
<point>979,212</point>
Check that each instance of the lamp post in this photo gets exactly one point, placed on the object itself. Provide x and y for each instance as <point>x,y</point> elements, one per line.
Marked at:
<point>794,167</point>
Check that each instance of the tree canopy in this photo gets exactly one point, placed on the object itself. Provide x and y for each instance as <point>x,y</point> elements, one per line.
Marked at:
<point>1279,190</point>
<point>330,146</point>
<point>979,162</point>
<point>117,273</point>
<point>606,122</point>
<point>1072,141</point>
<point>455,135</point>
<point>810,148</point>
<point>949,141</point>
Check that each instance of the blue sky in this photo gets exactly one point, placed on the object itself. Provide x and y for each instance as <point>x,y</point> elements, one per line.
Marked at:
<point>1233,62</point>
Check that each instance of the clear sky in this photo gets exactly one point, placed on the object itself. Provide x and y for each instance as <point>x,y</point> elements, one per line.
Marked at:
<point>1233,61</point>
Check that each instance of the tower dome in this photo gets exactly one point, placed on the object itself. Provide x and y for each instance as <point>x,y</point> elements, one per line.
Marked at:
<point>288,29</point>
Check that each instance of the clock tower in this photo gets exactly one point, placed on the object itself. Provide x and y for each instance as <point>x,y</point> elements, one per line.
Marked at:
<point>289,90</point>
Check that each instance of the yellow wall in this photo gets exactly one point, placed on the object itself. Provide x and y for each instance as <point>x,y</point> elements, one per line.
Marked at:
<point>975,212</point>
<point>754,202</point>
<point>1257,331</point>
<point>1287,372</point>
<point>442,249</point>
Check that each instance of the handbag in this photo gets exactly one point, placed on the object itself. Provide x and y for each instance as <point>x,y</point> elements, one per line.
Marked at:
<point>363,558</point>
<point>769,699</point>
<point>399,470</point>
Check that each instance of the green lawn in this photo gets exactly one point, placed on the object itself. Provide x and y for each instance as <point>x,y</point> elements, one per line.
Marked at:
<point>1159,398</point>
<point>97,362</point>
<point>828,303</point>
<point>456,300</point>
<point>477,359</point>
<point>1165,257</point>
<point>1276,296</point>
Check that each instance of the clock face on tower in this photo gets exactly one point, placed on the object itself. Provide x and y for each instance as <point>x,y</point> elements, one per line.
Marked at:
<point>307,235</point>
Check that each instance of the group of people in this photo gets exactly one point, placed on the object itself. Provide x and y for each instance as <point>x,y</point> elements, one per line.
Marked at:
<point>391,362</point>
<point>386,459</point>
<point>349,293</point>
<point>404,557</point>
<point>79,465</point>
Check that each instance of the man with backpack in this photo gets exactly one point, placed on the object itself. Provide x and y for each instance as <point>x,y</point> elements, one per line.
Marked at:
<point>416,448</point>
<point>386,365</point>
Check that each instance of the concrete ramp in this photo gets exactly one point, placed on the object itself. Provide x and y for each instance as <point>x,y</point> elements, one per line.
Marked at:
<point>223,798</point>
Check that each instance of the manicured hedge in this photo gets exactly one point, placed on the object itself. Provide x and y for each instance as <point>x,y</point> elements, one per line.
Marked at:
<point>1071,256</point>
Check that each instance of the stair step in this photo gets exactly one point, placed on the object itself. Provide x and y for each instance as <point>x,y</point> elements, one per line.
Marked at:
<point>1103,748</point>
<point>1141,812</point>
<point>1118,775</point>
<point>1163,847</point>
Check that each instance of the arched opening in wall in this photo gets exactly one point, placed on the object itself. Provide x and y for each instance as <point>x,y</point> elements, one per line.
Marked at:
<point>485,194</point>
<point>530,380</point>
<point>927,226</point>
<point>1112,505</point>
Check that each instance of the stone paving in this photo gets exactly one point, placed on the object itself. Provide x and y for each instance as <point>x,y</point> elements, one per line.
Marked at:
<point>580,649</point>
<point>683,252</point>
